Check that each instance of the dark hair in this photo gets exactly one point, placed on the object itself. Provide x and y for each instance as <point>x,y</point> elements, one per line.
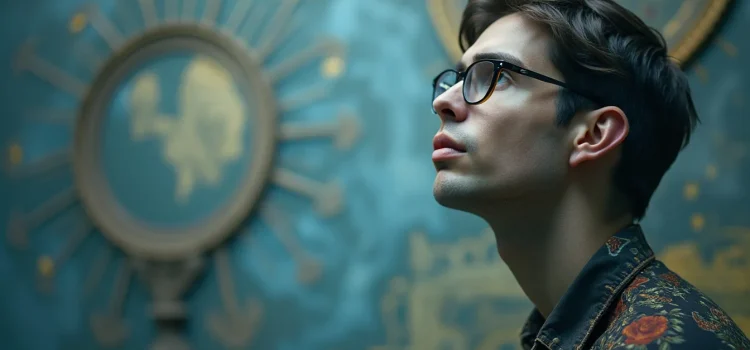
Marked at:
<point>605,51</point>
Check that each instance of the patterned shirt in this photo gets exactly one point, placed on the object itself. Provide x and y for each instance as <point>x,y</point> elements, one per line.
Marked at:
<point>626,299</point>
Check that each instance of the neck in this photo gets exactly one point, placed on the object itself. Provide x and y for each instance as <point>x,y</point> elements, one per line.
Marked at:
<point>546,243</point>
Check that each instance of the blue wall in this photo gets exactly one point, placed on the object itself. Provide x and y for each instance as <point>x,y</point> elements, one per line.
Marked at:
<point>391,258</point>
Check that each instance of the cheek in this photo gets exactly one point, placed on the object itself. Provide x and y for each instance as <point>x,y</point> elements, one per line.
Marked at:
<point>520,141</point>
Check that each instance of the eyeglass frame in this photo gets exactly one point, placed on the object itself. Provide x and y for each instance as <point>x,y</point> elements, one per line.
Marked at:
<point>499,65</point>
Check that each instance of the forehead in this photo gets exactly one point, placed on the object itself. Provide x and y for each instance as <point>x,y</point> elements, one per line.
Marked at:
<point>516,36</point>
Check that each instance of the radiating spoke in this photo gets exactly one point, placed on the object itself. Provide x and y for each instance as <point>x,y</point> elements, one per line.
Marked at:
<point>109,327</point>
<point>308,268</point>
<point>294,62</point>
<point>21,224</point>
<point>238,15</point>
<point>148,10</point>
<point>188,10</point>
<point>48,266</point>
<point>171,10</point>
<point>326,197</point>
<point>305,98</point>
<point>345,130</point>
<point>104,27</point>
<point>226,281</point>
<point>211,12</point>
<point>27,60</point>
<point>41,166</point>
<point>280,19</point>
<point>98,268</point>
<point>251,26</point>
<point>51,115</point>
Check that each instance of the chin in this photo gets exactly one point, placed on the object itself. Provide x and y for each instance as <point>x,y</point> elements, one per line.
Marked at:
<point>452,192</point>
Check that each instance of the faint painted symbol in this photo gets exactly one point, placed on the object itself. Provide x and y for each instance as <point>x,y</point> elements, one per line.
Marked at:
<point>238,323</point>
<point>207,133</point>
<point>458,278</point>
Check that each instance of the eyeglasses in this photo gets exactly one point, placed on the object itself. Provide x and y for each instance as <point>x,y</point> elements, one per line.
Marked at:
<point>481,78</point>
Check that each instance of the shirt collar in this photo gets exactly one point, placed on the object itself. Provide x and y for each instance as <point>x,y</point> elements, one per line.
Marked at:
<point>595,288</point>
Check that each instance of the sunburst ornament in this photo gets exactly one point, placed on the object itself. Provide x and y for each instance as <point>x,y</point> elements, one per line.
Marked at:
<point>174,146</point>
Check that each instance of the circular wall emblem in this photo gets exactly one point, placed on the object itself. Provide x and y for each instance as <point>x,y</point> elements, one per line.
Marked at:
<point>685,24</point>
<point>200,150</point>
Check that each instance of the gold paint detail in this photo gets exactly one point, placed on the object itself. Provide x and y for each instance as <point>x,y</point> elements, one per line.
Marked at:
<point>701,72</point>
<point>686,10</point>
<point>77,23</point>
<point>46,266</point>
<point>196,144</point>
<point>691,191</point>
<point>729,48</point>
<point>27,60</point>
<point>471,276</point>
<point>332,67</point>
<point>309,269</point>
<point>711,172</point>
<point>446,25</point>
<point>724,277</point>
<point>238,324</point>
<point>15,154</point>
<point>697,222</point>
<point>690,43</point>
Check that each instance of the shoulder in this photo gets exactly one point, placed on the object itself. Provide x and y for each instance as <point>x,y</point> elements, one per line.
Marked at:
<point>660,310</point>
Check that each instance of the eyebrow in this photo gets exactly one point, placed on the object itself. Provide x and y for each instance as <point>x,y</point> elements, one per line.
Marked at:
<point>503,56</point>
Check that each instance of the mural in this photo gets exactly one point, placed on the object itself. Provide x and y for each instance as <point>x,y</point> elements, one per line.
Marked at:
<point>249,174</point>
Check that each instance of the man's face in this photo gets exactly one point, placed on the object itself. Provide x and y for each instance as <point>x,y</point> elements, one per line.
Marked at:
<point>513,147</point>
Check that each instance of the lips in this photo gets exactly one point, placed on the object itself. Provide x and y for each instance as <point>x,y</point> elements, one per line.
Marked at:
<point>446,148</point>
<point>442,141</point>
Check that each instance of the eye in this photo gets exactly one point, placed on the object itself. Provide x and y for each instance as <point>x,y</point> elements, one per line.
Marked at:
<point>504,79</point>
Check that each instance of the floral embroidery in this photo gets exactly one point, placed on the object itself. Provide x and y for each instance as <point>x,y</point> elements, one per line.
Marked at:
<point>671,278</point>
<point>615,245</point>
<point>717,322</point>
<point>657,309</point>
<point>645,330</point>
<point>636,283</point>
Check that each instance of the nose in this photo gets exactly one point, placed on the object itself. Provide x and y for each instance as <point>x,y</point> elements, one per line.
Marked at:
<point>450,105</point>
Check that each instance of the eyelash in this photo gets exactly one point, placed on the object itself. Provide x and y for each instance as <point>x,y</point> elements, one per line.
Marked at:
<point>506,76</point>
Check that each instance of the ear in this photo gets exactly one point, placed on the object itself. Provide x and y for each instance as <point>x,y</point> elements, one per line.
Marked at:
<point>598,134</point>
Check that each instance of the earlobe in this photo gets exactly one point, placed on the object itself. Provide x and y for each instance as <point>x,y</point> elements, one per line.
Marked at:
<point>600,132</point>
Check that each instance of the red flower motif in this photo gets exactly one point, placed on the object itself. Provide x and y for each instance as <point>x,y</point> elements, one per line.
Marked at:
<point>645,330</point>
<point>704,324</point>
<point>636,283</point>
<point>671,278</point>
<point>720,315</point>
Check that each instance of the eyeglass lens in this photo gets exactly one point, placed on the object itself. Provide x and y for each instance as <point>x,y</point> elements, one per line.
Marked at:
<point>477,82</point>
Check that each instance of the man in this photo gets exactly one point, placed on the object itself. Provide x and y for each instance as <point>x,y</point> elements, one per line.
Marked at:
<point>557,126</point>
